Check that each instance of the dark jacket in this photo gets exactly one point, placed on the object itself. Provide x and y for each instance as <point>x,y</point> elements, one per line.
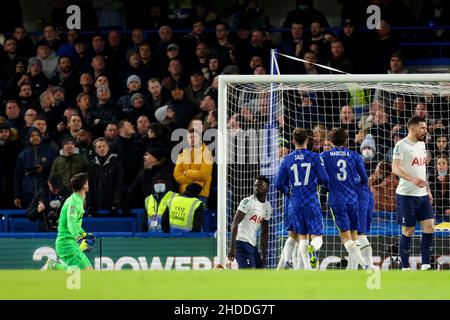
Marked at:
<point>105,183</point>
<point>106,113</point>
<point>9,151</point>
<point>47,219</point>
<point>27,179</point>
<point>68,166</point>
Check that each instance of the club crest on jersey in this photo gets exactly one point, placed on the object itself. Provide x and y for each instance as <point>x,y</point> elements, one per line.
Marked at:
<point>419,161</point>
<point>256,219</point>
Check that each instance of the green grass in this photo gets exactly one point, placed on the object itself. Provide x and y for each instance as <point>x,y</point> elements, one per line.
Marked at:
<point>222,285</point>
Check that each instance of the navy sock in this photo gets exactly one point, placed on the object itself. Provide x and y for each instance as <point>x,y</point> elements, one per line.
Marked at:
<point>426,247</point>
<point>405,250</point>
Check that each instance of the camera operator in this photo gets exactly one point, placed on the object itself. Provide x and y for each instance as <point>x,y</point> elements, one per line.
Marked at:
<point>47,203</point>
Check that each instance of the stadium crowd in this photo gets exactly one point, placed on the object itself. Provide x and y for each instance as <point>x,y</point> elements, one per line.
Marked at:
<point>107,103</point>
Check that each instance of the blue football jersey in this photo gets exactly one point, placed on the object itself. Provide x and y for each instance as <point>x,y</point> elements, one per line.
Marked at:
<point>299,174</point>
<point>345,170</point>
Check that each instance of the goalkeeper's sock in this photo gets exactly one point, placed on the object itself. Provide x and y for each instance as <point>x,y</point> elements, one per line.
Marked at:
<point>426,247</point>
<point>353,250</point>
<point>286,254</point>
<point>294,256</point>
<point>405,250</point>
<point>366,250</point>
<point>303,253</point>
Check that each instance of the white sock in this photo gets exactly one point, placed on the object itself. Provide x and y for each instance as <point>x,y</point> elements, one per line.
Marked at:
<point>366,250</point>
<point>294,256</point>
<point>349,262</point>
<point>287,252</point>
<point>303,253</point>
<point>353,250</point>
<point>317,243</point>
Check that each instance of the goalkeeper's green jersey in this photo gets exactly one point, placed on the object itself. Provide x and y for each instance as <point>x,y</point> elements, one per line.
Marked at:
<point>70,219</point>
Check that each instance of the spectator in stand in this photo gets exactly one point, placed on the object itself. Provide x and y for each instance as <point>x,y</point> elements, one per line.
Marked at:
<point>222,45</point>
<point>129,152</point>
<point>39,81</point>
<point>47,203</point>
<point>295,46</point>
<point>197,35</point>
<point>105,179</point>
<point>142,127</point>
<point>338,60</point>
<point>84,144</point>
<point>399,116</point>
<point>67,78</point>
<point>29,117</point>
<point>32,169</point>
<point>348,122</point>
<point>195,91</point>
<point>214,68</point>
<point>440,185</point>
<point>353,44</point>
<point>25,46</point>
<point>133,68</point>
<point>309,67</point>
<point>74,126</point>
<point>143,185</point>
<point>157,95</point>
<point>157,17</point>
<point>12,112</point>
<point>159,138</point>
<point>103,113</point>
<point>9,58</point>
<point>137,38</point>
<point>111,132</point>
<point>165,38</point>
<point>9,152</point>
<point>115,51</point>
<point>194,165</point>
<point>82,58</point>
<point>98,44</point>
<point>396,64</point>
<point>172,52</point>
<point>69,162</point>
<point>383,184</point>
<point>382,47</point>
<point>124,103</point>
<point>184,109</point>
<point>259,46</point>
<point>48,58</point>
<point>26,98</point>
<point>87,84</point>
<point>441,143</point>
<point>148,61</point>
<point>200,60</point>
<point>306,14</point>
<point>51,37</point>
<point>98,67</point>
<point>176,74</point>
<point>41,123</point>
<point>67,48</point>
<point>421,110</point>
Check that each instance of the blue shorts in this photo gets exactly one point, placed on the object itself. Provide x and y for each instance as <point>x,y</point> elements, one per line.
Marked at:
<point>412,209</point>
<point>365,204</point>
<point>247,256</point>
<point>288,223</point>
<point>344,211</point>
<point>307,219</point>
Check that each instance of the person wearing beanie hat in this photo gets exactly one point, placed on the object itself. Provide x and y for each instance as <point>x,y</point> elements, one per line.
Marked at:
<point>39,81</point>
<point>124,103</point>
<point>185,211</point>
<point>133,78</point>
<point>34,60</point>
<point>368,148</point>
<point>154,165</point>
<point>165,114</point>
<point>69,162</point>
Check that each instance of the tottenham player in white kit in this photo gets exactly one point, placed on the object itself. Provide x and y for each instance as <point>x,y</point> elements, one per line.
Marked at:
<point>413,195</point>
<point>253,212</point>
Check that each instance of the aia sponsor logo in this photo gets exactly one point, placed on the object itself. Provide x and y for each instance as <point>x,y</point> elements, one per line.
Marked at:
<point>419,161</point>
<point>256,219</point>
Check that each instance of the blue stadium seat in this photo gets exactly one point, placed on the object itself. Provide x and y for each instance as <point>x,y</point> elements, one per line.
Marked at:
<point>23,225</point>
<point>105,224</point>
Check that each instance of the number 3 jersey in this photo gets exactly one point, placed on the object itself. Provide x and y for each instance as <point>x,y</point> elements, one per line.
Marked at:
<point>346,172</point>
<point>255,212</point>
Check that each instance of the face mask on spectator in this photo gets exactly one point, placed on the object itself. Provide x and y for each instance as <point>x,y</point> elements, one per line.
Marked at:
<point>442,173</point>
<point>367,154</point>
<point>159,187</point>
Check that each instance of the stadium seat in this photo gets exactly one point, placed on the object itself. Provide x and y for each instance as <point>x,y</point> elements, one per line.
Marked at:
<point>101,224</point>
<point>22,225</point>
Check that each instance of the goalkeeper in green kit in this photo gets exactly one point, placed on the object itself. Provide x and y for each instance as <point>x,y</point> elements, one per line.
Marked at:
<point>72,241</point>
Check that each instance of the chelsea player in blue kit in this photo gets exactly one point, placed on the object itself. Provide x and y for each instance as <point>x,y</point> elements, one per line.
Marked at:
<point>343,167</point>
<point>298,176</point>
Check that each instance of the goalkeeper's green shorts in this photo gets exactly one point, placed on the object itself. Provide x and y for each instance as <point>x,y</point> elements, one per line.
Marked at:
<point>70,253</point>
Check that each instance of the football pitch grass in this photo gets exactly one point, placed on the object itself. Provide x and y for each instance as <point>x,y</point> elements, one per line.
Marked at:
<point>225,285</point>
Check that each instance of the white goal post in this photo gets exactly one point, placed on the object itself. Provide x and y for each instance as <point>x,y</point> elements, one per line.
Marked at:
<point>278,83</point>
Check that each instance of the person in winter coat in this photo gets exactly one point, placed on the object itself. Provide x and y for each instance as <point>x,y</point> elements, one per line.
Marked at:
<point>32,168</point>
<point>105,179</point>
<point>69,162</point>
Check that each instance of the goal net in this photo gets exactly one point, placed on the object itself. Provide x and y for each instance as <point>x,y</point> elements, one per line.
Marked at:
<point>257,115</point>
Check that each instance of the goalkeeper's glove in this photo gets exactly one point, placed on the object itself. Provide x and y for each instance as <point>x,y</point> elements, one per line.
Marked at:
<point>86,242</point>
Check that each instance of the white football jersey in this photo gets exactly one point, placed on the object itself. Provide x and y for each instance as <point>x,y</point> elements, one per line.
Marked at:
<point>255,213</point>
<point>414,159</point>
